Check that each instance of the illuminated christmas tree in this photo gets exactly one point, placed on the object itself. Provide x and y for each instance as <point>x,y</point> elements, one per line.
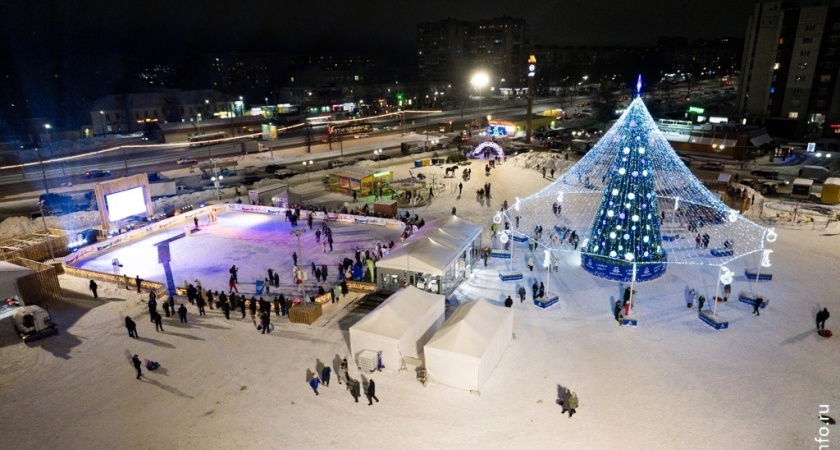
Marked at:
<point>625,230</point>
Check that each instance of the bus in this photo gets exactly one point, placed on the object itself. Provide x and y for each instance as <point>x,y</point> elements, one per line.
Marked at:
<point>350,128</point>
<point>200,140</point>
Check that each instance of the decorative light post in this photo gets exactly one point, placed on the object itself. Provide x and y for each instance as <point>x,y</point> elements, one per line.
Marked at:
<point>376,154</point>
<point>102,121</point>
<point>216,181</point>
<point>307,165</point>
<point>296,233</point>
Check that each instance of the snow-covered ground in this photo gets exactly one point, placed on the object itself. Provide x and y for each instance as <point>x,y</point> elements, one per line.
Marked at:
<point>671,382</point>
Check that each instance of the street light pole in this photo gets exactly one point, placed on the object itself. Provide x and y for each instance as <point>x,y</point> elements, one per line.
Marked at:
<point>46,230</point>
<point>297,232</point>
<point>216,181</point>
<point>376,153</point>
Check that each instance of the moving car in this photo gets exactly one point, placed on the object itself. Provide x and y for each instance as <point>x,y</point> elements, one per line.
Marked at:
<point>380,157</point>
<point>711,165</point>
<point>336,163</point>
<point>182,161</point>
<point>97,173</point>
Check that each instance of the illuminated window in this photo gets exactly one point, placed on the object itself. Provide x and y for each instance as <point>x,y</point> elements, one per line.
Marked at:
<point>776,66</point>
<point>793,115</point>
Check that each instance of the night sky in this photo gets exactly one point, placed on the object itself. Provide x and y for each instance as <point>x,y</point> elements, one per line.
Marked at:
<point>173,27</point>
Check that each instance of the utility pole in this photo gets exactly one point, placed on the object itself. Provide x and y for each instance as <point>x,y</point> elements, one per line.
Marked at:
<point>532,69</point>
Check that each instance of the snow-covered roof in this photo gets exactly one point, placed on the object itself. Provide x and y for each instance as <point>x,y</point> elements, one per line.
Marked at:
<point>399,312</point>
<point>433,247</point>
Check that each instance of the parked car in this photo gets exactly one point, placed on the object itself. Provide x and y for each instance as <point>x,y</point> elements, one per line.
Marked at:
<point>97,173</point>
<point>336,163</point>
<point>271,168</point>
<point>460,138</point>
<point>711,165</point>
<point>380,157</point>
<point>182,161</point>
<point>284,173</point>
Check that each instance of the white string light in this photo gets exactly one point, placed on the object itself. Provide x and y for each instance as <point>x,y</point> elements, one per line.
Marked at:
<point>633,157</point>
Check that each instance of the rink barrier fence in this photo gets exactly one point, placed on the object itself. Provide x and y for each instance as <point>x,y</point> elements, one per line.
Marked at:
<point>158,288</point>
<point>318,215</point>
<point>360,286</point>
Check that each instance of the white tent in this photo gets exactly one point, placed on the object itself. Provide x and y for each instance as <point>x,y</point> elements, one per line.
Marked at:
<point>469,345</point>
<point>432,249</point>
<point>9,274</point>
<point>400,326</point>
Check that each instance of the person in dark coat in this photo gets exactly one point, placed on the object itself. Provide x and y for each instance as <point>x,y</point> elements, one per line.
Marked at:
<point>182,313</point>
<point>522,293</point>
<point>701,301</point>
<point>276,279</point>
<point>152,305</point>
<point>265,321</point>
<point>822,316</point>
<point>172,304</point>
<point>371,392</point>
<point>535,288</point>
<point>344,289</point>
<point>139,281</point>
<point>508,302</point>
<point>542,289</point>
<point>93,286</point>
<point>617,309</point>
<point>136,361</point>
<point>158,321</point>
<point>199,301</point>
<point>344,370</point>
<point>757,305</point>
<point>234,273</point>
<point>314,382</point>
<point>226,309</point>
<point>355,389</point>
<point>325,375</point>
<point>131,327</point>
<point>191,293</point>
<point>242,306</point>
<point>166,308</point>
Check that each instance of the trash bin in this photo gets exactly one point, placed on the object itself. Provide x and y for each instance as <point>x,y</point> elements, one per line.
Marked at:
<point>418,163</point>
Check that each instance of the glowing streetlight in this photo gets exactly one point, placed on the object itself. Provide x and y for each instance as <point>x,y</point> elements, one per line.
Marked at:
<point>376,154</point>
<point>480,80</point>
<point>216,180</point>
<point>307,165</point>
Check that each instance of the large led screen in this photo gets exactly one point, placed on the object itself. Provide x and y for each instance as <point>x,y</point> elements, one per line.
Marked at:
<point>126,203</point>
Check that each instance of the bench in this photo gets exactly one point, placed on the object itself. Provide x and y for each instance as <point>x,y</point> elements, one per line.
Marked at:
<point>501,254</point>
<point>670,238</point>
<point>629,321</point>
<point>518,238</point>
<point>746,297</point>
<point>547,300</point>
<point>753,275</point>
<point>715,321</point>
<point>721,251</point>
<point>510,276</point>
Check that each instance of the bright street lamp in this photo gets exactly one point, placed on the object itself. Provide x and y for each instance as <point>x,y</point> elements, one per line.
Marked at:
<point>307,166</point>
<point>376,154</point>
<point>480,80</point>
<point>216,180</point>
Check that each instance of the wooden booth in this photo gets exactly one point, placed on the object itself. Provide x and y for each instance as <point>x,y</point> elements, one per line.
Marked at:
<point>38,288</point>
<point>364,182</point>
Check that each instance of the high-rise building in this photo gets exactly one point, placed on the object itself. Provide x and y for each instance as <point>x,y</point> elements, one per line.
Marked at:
<point>790,63</point>
<point>448,50</point>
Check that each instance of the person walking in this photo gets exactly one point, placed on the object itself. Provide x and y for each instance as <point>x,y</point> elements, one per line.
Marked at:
<point>131,327</point>
<point>344,370</point>
<point>757,305</point>
<point>226,309</point>
<point>700,302</point>
<point>314,382</point>
<point>136,361</point>
<point>325,376</point>
<point>199,301</point>
<point>371,392</point>
<point>617,310</point>
<point>93,286</point>
<point>242,306</point>
<point>531,263</point>
<point>166,308</point>
<point>182,313</point>
<point>522,293</point>
<point>355,389</point>
<point>139,281</point>
<point>460,188</point>
<point>508,302</point>
<point>265,321</point>
<point>572,404</point>
<point>158,321</point>
<point>232,285</point>
<point>822,316</point>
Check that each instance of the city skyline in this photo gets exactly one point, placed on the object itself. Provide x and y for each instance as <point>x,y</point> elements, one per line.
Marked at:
<point>166,29</point>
